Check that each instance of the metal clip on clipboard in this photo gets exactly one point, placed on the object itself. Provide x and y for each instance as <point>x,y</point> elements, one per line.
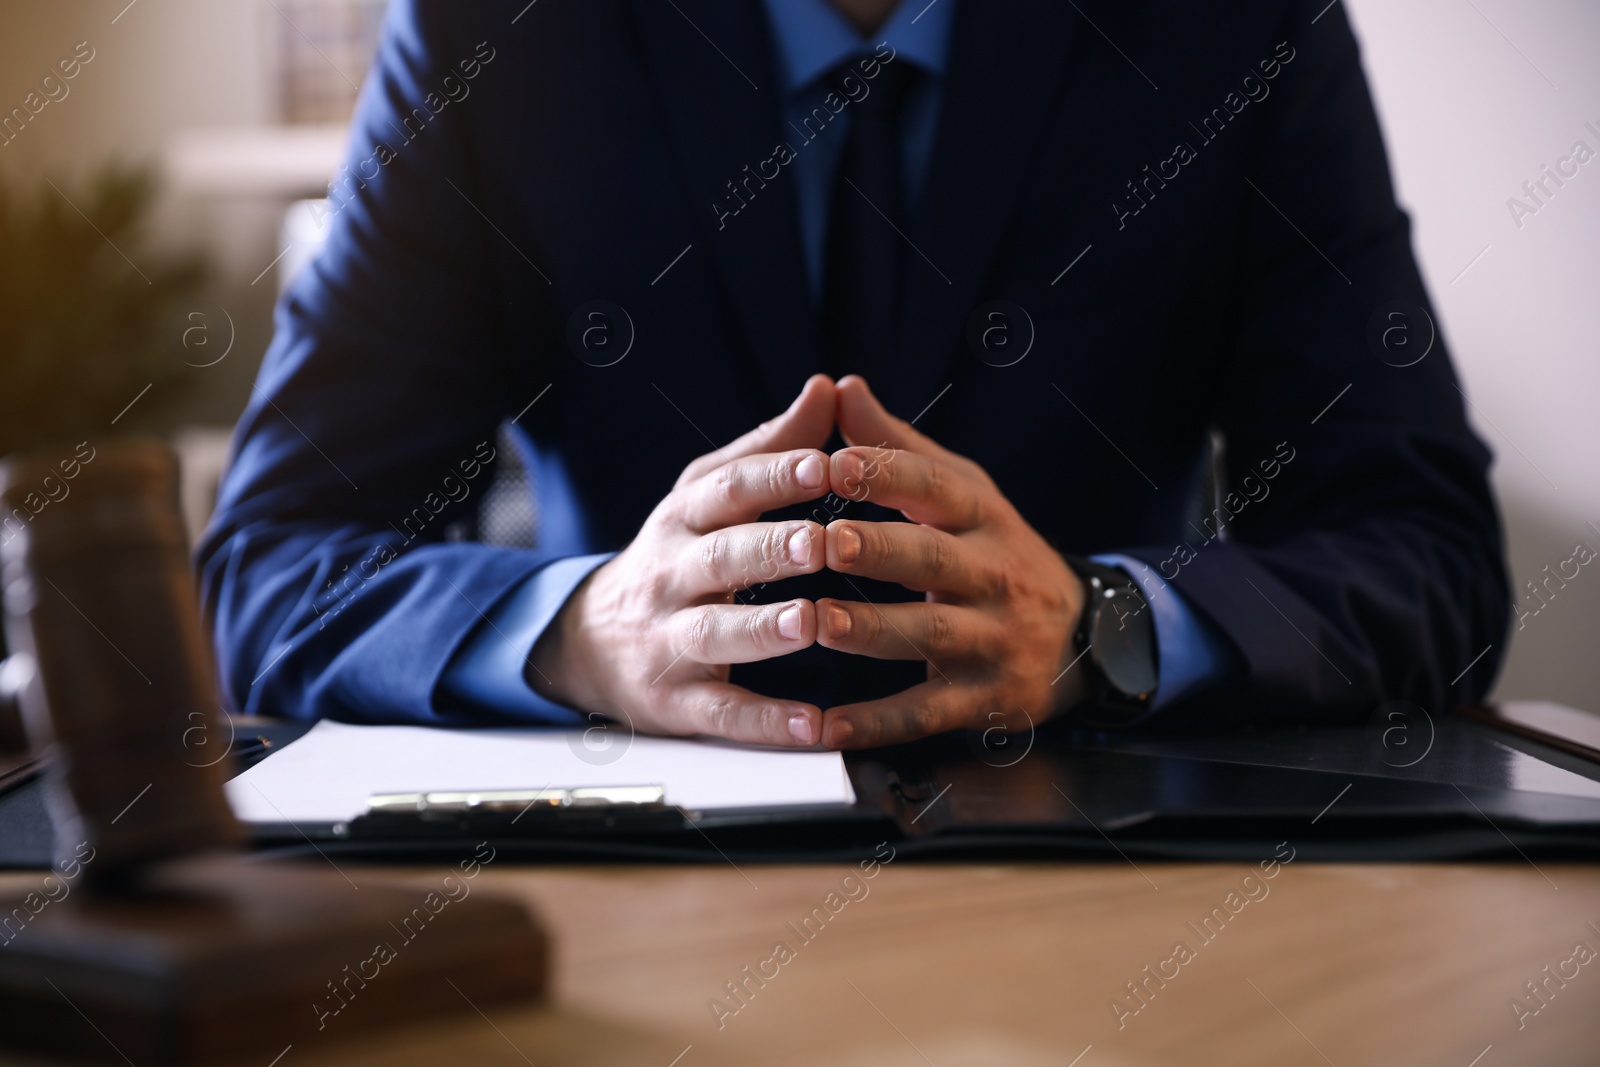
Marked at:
<point>518,812</point>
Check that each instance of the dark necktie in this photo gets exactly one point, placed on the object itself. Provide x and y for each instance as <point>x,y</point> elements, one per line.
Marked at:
<point>865,255</point>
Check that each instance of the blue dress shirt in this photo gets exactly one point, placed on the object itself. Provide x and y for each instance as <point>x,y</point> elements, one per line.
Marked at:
<point>811,38</point>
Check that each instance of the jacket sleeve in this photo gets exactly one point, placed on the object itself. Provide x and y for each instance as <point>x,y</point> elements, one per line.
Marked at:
<point>1360,553</point>
<point>326,575</point>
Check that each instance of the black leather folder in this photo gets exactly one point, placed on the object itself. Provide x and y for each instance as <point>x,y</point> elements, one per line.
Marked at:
<point>1402,789</point>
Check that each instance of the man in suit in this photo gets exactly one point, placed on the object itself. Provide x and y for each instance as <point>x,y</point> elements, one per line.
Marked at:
<point>1071,247</point>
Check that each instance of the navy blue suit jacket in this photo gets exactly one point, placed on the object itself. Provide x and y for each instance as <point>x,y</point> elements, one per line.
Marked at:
<point>1237,263</point>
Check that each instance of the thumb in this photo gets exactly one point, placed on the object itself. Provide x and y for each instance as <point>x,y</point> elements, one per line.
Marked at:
<point>807,423</point>
<point>865,421</point>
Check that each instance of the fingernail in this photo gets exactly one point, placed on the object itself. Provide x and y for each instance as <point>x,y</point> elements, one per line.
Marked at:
<point>800,546</point>
<point>838,621</point>
<point>851,468</point>
<point>800,728</point>
<point>838,732</point>
<point>848,542</point>
<point>808,472</point>
<point>789,622</point>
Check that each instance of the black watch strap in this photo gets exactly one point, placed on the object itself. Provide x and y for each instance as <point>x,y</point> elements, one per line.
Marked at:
<point>1116,643</point>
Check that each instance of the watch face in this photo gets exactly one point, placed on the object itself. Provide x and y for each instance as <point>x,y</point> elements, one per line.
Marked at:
<point>1123,635</point>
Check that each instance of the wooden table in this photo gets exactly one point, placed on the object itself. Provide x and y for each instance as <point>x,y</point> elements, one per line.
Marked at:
<point>953,965</point>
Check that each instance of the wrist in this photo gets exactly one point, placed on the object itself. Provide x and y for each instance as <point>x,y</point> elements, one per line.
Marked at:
<point>559,667</point>
<point>1115,644</point>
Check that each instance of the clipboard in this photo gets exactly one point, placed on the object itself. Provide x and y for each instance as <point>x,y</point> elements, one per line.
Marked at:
<point>581,812</point>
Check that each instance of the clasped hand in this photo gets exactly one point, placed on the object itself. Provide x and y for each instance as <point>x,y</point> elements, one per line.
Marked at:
<point>652,633</point>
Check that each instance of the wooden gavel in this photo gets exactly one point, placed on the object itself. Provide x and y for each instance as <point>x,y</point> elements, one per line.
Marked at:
<point>178,939</point>
<point>98,595</point>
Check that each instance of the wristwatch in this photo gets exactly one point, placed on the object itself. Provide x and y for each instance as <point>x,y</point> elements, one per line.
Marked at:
<point>1116,646</point>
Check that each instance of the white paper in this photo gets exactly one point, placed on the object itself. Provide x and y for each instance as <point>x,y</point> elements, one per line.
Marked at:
<point>328,775</point>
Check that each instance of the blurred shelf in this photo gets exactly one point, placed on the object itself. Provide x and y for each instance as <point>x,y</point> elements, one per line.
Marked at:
<point>287,162</point>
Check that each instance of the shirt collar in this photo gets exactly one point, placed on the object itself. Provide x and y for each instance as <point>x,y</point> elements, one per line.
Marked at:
<point>814,38</point>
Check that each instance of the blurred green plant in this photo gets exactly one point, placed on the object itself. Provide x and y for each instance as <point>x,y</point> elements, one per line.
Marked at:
<point>85,306</point>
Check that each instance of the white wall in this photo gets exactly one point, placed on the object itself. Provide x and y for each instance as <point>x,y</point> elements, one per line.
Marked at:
<point>1475,96</point>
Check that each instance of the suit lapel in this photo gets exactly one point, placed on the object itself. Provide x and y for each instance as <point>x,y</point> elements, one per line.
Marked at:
<point>1005,66</point>
<point>720,124</point>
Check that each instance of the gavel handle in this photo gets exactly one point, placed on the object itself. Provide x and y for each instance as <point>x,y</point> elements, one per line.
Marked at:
<point>16,671</point>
